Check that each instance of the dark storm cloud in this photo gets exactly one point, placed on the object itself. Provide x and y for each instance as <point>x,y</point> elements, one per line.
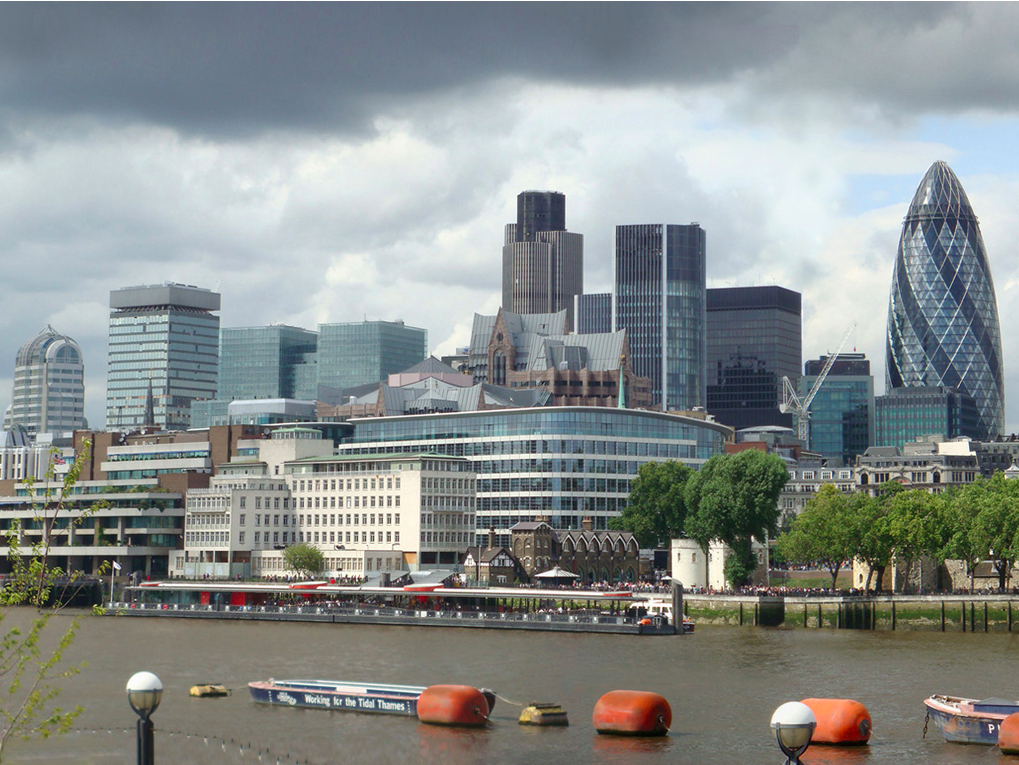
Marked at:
<point>241,68</point>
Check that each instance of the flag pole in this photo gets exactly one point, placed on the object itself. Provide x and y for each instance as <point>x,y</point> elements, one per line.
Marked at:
<point>112,571</point>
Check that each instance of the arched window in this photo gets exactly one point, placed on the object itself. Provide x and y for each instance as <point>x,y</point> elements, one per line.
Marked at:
<point>499,368</point>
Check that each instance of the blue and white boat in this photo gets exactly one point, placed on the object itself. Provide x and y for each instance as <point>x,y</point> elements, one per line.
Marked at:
<point>375,698</point>
<point>969,721</point>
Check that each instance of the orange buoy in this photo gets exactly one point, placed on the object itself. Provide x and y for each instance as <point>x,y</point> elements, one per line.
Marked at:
<point>452,705</point>
<point>632,713</point>
<point>1008,734</point>
<point>841,722</point>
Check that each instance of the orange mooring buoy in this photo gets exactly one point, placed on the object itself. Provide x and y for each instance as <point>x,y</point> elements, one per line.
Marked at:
<point>452,705</point>
<point>632,713</point>
<point>841,722</point>
<point>1008,734</point>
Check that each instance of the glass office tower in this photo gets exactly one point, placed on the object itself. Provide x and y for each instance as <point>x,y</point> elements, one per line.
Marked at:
<point>842,412</point>
<point>266,362</point>
<point>593,312</point>
<point>49,385</point>
<point>164,353</point>
<point>659,299</point>
<point>904,414</point>
<point>754,339</point>
<point>943,328</point>
<point>363,352</point>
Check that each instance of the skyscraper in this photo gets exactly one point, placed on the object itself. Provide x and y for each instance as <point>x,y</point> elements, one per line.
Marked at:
<point>754,337</point>
<point>943,328</point>
<point>592,313</point>
<point>542,262</point>
<point>364,352</point>
<point>49,387</point>
<point>842,412</point>
<point>164,354</point>
<point>658,297</point>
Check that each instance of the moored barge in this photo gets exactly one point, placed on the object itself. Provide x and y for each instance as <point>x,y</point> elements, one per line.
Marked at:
<point>375,698</point>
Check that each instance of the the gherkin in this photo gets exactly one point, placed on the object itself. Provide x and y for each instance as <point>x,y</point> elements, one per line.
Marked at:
<point>943,325</point>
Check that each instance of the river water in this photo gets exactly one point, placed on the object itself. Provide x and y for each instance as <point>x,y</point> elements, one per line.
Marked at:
<point>723,684</point>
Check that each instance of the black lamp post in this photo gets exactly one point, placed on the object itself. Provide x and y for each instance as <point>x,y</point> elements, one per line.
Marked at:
<point>144,692</point>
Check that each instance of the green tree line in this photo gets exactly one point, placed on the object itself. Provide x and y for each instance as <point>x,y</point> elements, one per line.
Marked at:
<point>972,523</point>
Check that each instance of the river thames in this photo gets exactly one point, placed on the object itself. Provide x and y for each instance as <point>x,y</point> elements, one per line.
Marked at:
<point>723,684</point>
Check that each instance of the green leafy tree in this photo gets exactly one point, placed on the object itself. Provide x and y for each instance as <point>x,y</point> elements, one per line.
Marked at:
<point>872,531</point>
<point>824,533</point>
<point>734,498</point>
<point>656,507</point>
<point>965,542</point>
<point>305,559</point>
<point>915,523</point>
<point>30,672</point>
<point>996,525</point>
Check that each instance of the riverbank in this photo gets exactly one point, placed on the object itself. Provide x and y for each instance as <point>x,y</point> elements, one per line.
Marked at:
<point>930,613</point>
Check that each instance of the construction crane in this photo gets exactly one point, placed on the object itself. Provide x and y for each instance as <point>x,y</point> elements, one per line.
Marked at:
<point>800,409</point>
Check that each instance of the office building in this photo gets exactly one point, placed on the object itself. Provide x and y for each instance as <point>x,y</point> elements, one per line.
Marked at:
<point>943,328</point>
<point>49,387</point>
<point>659,299</point>
<point>542,262</point>
<point>163,354</point>
<point>842,412</point>
<point>560,464</point>
<point>367,352</point>
<point>277,361</point>
<point>593,313</point>
<point>905,414</point>
<point>754,339</point>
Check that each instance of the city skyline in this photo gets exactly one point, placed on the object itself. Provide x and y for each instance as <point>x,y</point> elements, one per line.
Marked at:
<point>328,190</point>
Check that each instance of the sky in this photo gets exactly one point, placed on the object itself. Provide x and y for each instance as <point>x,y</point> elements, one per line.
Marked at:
<point>335,162</point>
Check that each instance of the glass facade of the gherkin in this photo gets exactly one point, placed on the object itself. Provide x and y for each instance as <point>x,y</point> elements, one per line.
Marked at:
<point>943,325</point>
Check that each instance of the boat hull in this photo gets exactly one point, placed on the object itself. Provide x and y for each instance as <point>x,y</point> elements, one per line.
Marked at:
<point>348,697</point>
<point>961,724</point>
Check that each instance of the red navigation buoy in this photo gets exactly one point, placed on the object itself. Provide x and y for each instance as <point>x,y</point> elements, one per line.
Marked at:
<point>452,705</point>
<point>841,722</point>
<point>632,713</point>
<point>1008,734</point>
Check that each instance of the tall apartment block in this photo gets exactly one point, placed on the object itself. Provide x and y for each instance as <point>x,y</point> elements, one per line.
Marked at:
<point>49,386</point>
<point>842,412</point>
<point>659,299</point>
<point>754,340</point>
<point>367,352</point>
<point>164,354</point>
<point>542,262</point>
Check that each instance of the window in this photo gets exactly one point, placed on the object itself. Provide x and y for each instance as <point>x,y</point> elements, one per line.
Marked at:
<point>258,537</point>
<point>243,501</point>
<point>240,538</point>
<point>241,520</point>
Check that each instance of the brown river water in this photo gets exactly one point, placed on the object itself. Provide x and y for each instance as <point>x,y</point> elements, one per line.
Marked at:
<point>723,684</point>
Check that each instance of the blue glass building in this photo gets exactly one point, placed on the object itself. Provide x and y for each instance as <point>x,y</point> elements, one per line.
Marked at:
<point>659,298</point>
<point>364,352</point>
<point>905,414</point>
<point>943,328</point>
<point>842,412</point>
<point>277,361</point>
<point>561,464</point>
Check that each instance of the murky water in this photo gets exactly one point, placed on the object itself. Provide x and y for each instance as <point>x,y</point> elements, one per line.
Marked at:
<point>723,684</point>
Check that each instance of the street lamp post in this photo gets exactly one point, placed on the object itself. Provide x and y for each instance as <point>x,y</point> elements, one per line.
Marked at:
<point>144,692</point>
<point>794,724</point>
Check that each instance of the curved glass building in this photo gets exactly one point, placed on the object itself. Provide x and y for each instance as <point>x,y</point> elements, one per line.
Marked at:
<point>942,316</point>
<point>49,386</point>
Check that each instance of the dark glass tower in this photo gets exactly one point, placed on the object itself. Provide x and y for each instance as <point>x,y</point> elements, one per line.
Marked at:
<point>659,299</point>
<point>754,340</point>
<point>542,262</point>
<point>842,413</point>
<point>943,328</point>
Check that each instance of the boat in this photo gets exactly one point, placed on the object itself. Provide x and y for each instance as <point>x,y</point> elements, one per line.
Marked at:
<point>538,713</point>
<point>969,721</point>
<point>376,698</point>
<point>661,607</point>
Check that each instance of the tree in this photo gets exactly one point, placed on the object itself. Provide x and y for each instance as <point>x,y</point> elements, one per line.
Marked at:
<point>874,543</point>
<point>915,523</point>
<point>305,559</point>
<point>30,673</point>
<point>823,533</point>
<point>734,498</point>
<point>656,507</point>
<point>965,543</point>
<point>996,526</point>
